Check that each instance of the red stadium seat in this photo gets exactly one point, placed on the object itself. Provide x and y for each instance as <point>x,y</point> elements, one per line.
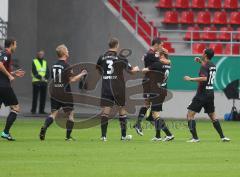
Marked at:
<point>236,35</point>
<point>198,48</point>
<point>235,18</point>
<point>166,4</point>
<point>214,4</point>
<point>182,4</point>
<point>235,49</point>
<point>230,4</point>
<point>171,17</point>
<point>192,35</point>
<point>225,34</point>
<point>220,18</point>
<point>187,17</point>
<point>218,48</point>
<point>169,47</point>
<point>204,17</point>
<point>208,35</point>
<point>198,4</point>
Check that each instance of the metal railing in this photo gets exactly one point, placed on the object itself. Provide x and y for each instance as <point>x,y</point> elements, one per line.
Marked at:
<point>3,29</point>
<point>137,27</point>
<point>177,37</point>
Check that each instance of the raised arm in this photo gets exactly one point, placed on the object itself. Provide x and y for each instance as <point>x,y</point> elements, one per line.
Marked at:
<point>78,77</point>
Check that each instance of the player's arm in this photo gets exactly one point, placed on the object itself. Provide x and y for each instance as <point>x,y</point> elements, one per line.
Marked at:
<point>98,65</point>
<point>78,77</point>
<point>134,70</point>
<point>195,79</point>
<point>4,71</point>
<point>18,73</point>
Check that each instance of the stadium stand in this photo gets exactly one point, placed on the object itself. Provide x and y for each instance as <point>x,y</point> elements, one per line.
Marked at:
<point>193,21</point>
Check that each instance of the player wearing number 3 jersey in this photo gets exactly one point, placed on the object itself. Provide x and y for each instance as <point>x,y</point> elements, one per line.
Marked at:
<point>204,97</point>
<point>111,66</point>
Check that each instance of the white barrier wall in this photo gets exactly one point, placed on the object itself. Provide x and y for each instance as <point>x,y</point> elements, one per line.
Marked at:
<point>4,9</point>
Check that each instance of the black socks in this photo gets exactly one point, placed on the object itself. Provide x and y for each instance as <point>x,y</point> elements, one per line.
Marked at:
<point>10,120</point>
<point>217,126</point>
<point>69,127</point>
<point>123,124</point>
<point>141,114</point>
<point>161,125</point>
<point>104,125</point>
<point>192,128</point>
<point>48,122</point>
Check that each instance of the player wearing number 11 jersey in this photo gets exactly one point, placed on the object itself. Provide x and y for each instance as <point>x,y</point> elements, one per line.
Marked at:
<point>62,76</point>
<point>204,97</point>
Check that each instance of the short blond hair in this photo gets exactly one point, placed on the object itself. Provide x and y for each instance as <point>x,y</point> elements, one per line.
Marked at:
<point>60,50</point>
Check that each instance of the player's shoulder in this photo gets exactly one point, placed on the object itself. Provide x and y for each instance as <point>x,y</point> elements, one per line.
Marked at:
<point>4,55</point>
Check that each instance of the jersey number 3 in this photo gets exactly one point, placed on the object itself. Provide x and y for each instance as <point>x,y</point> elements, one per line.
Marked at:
<point>110,67</point>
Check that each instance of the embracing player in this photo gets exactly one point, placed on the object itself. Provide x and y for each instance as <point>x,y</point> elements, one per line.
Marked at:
<point>62,76</point>
<point>157,55</point>
<point>7,95</point>
<point>111,67</point>
<point>204,97</point>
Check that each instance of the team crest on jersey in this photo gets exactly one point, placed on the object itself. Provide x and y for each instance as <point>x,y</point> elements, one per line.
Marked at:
<point>5,58</point>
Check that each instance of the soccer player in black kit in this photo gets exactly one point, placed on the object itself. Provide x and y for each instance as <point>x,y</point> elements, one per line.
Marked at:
<point>204,97</point>
<point>7,95</point>
<point>62,77</point>
<point>111,67</point>
<point>153,60</point>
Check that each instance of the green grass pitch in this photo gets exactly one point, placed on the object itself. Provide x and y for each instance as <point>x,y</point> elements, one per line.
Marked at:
<point>89,157</point>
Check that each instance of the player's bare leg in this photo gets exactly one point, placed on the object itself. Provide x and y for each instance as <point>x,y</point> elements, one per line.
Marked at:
<point>15,109</point>
<point>48,121</point>
<point>192,126</point>
<point>104,122</point>
<point>123,124</point>
<point>217,126</point>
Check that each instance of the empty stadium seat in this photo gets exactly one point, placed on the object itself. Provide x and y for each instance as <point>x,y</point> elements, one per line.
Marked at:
<point>187,17</point>
<point>235,18</point>
<point>235,49</point>
<point>204,17</point>
<point>198,4</point>
<point>218,48</point>
<point>230,4</point>
<point>184,4</point>
<point>208,35</point>
<point>168,46</point>
<point>198,48</point>
<point>171,17</point>
<point>225,34</point>
<point>192,35</point>
<point>236,36</point>
<point>220,18</point>
<point>167,4</point>
<point>214,4</point>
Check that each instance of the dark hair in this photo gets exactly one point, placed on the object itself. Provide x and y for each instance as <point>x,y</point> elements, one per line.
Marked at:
<point>113,43</point>
<point>209,52</point>
<point>9,42</point>
<point>156,40</point>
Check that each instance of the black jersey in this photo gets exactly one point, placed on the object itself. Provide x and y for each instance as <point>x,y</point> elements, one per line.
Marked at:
<point>60,75</point>
<point>6,59</point>
<point>150,57</point>
<point>112,67</point>
<point>163,69</point>
<point>207,70</point>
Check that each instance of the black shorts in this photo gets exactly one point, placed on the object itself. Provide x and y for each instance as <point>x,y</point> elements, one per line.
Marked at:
<point>56,105</point>
<point>110,100</point>
<point>199,102</point>
<point>7,96</point>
